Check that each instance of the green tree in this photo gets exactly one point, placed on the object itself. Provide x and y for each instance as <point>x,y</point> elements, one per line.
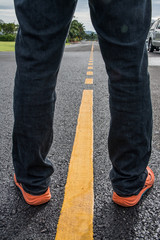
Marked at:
<point>91,37</point>
<point>76,32</point>
<point>8,31</point>
<point>8,28</point>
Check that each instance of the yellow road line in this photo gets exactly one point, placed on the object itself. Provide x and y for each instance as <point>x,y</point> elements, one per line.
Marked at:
<point>89,73</point>
<point>92,47</point>
<point>76,218</point>
<point>91,55</point>
<point>89,81</point>
<point>90,67</point>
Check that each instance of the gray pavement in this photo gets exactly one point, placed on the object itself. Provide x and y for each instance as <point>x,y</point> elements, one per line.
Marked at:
<point>20,221</point>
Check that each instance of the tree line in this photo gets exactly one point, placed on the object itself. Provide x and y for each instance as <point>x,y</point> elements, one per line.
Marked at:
<point>8,31</point>
<point>76,33</point>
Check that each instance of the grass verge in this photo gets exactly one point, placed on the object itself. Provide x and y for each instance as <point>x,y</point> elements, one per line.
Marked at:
<point>7,46</point>
<point>10,46</point>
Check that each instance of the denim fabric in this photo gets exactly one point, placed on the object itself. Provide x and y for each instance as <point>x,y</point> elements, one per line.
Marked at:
<point>39,48</point>
<point>122,27</point>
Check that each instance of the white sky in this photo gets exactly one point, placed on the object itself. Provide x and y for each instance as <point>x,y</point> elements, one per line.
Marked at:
<point>7,13</point>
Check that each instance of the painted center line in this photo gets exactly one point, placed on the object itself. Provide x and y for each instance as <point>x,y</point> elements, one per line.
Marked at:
<point>89,73</point>
<point>89,81</point>
<point>76,218</point>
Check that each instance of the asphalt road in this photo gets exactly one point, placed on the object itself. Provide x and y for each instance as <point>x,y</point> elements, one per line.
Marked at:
<point>20,221</point>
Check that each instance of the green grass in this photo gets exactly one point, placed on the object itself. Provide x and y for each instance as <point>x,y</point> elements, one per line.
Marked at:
<point>7,46</point>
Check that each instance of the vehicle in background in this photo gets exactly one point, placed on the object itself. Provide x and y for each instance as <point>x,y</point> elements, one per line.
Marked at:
<point>153,38</point>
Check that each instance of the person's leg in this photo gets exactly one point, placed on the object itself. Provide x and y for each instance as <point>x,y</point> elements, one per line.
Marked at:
<point>122,27</point>
<point>39,48</point>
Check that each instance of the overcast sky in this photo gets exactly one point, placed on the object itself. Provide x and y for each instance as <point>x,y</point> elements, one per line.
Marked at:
<point>7,13</point>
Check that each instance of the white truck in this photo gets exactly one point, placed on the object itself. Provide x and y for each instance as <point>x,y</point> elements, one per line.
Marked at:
<point>154,36</point>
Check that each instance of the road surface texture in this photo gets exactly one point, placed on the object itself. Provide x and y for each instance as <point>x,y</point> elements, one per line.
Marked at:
<point>20,221</point>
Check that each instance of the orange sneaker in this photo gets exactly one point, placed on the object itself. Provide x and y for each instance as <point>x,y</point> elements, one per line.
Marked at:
<point>33,199</point>
<point>133,200</point>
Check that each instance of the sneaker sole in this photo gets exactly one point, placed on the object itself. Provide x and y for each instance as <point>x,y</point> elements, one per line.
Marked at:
<point>33,200</point>
<point>133,200</point>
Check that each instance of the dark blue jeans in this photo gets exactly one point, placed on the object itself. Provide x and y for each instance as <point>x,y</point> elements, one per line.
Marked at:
<point>122,27</point>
